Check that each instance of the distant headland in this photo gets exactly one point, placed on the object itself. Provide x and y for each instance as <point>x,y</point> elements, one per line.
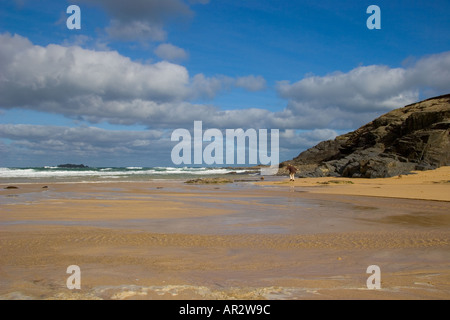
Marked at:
<point>72,166</point>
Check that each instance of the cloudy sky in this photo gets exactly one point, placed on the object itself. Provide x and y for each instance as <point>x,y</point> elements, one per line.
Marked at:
<point>112,92</point>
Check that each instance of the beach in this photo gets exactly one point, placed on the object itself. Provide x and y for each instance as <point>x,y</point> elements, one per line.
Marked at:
<point>425,185</point>
<point>163,239</point>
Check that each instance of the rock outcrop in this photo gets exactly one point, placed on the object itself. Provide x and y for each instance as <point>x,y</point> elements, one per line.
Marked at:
<point>415,137</point>
<point>72,166</point>
<point>209,181</point>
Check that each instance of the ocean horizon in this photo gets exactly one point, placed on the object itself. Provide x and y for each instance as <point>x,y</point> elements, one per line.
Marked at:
<point>53,174</point>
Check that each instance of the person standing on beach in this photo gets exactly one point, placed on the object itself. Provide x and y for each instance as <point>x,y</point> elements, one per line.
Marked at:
<point>292,170</point>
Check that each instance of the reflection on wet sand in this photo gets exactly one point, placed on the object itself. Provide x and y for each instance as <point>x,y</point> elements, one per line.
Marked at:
<point>166,240</point>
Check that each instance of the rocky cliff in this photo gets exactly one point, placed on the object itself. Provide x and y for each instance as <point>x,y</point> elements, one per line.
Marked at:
<point>415,137</point>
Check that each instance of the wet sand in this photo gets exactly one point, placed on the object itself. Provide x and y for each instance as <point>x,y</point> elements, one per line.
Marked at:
<point>169,240</point>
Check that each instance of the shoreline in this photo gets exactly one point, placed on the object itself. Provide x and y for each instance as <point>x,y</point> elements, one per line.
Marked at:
<point>423,185</point>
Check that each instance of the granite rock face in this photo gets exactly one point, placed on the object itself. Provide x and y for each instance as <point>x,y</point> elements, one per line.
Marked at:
<point>415,137</point>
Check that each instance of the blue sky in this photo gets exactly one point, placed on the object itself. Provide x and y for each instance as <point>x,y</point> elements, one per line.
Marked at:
<point>111,93</point>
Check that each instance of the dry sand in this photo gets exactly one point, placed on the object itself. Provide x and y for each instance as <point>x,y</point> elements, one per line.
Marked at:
<point>270,240</point>
<point>427,185</point>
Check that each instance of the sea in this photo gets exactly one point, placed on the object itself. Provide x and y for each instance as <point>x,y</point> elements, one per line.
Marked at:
<point>52,174</point>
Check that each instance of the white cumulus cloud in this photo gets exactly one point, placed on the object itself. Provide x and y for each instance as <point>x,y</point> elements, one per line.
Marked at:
<point>106,86</point>
<point>345,100</point>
